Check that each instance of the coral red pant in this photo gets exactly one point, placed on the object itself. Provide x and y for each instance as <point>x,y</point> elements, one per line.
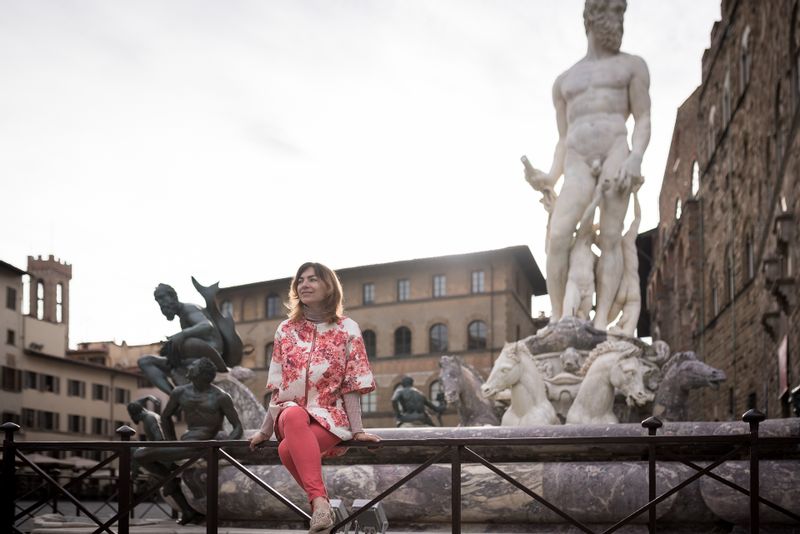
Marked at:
<point>304,441</point>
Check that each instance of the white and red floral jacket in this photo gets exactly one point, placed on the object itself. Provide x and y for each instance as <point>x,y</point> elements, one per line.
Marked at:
<point>313,365</point>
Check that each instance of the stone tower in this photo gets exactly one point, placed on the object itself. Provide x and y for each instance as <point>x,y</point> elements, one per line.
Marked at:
<point>49,289</point>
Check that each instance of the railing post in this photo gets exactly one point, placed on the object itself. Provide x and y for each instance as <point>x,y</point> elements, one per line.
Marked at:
<point>57,476</point>
<point>455,496</point>
<point>652,424</point>
<point>124,496</point>
<point>212,490</point>
<point>753,418</point>
<point>8,490</point>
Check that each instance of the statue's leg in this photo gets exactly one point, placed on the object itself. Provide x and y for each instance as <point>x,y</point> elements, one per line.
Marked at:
<point>194,348</point>
<point>576,193</point>
<point>585,306</point>
<point>612,217</point>
<point>153,457</point>
<point>172,488</point>
<point>572,299</point>
<point>616,307</point>
<point>630,313</point>
<point>156,369</point>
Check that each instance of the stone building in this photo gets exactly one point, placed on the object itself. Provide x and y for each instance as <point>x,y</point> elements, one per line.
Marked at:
<point>724,277</point>
<point>410,312</point>
<point>113,354</point>
<point>51,395</point>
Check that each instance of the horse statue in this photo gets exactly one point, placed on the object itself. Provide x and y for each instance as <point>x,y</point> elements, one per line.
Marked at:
<point>515,368</point>
<point>611,366</point>
<point>682,373</point>
<point>462,384</point>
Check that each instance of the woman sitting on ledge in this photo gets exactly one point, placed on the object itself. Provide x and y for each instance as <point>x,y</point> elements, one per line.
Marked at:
<point>318,372</point>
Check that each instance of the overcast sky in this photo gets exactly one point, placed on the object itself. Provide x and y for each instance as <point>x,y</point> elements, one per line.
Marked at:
<point>149,141</point>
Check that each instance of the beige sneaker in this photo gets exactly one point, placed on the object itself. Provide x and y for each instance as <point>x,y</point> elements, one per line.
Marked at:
<point>322,520</point>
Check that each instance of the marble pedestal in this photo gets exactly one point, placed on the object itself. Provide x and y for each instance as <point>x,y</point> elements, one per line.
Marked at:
<point>592,491</point>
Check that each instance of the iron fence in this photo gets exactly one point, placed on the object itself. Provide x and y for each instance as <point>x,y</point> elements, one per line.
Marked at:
<point>455,451</point>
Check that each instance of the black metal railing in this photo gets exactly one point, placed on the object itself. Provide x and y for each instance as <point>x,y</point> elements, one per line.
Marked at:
<point>456,451</point>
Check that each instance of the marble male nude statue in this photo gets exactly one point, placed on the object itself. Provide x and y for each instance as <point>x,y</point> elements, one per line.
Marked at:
<point>593,100</point>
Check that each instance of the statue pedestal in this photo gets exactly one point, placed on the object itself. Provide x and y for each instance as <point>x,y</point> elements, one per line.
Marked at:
<point>597,486</point>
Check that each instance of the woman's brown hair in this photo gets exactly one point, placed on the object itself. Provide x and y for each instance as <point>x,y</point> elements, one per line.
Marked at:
<point>332,305</point>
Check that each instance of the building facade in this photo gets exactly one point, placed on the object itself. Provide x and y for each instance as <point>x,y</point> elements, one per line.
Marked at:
<point>410,313</point>
<point>724,277</point>
<point>51,395</point>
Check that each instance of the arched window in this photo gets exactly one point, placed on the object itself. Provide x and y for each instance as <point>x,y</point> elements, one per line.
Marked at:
<point>436,392</point>
<point>273,305</point>
<point>402,341</point>
<point>438,338</point>
<point>268,348</point>
<point>227,308</point>
<point>40,300</point>
<point>678,209</point>
<point>726,100</point>
<point>370,343</point>
<point>59,302</point>
<point>744,60</point>
<point>712,132</point>
<point>476,335</point>
<point>695,179</point>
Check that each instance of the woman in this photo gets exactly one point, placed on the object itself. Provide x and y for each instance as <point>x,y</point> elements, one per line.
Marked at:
<point>319,371</point>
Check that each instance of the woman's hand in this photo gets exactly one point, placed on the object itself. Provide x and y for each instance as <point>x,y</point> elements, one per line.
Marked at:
<point>258,438</point>
<point>365,436</point>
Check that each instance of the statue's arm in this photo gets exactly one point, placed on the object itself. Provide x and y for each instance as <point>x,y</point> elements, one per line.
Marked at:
<point>151,398</point>
<point>226,403</point>
<point>152,429</point>
<point>637,216</point>
<point>201,326</point>
<point>434,407</point>
<point>173,405</point>
<point>396,404</point>
<point>639,96</point>
<point>560,103</point>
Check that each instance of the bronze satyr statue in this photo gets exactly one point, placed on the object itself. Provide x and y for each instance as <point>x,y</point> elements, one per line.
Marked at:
<point>409,405</point>
<point>153,431</point>
<point>205,333</point>
<point>204,406</point>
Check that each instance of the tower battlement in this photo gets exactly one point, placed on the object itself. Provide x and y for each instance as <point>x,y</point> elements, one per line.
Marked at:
<point>40,264</point>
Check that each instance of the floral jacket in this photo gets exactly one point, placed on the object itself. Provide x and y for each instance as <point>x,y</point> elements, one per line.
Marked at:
<point>313,365</point>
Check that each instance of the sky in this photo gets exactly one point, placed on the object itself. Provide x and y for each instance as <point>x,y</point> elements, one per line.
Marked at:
<point>149,141</point>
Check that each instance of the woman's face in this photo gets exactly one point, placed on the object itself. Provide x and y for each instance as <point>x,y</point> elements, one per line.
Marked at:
<point>310,288</point>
